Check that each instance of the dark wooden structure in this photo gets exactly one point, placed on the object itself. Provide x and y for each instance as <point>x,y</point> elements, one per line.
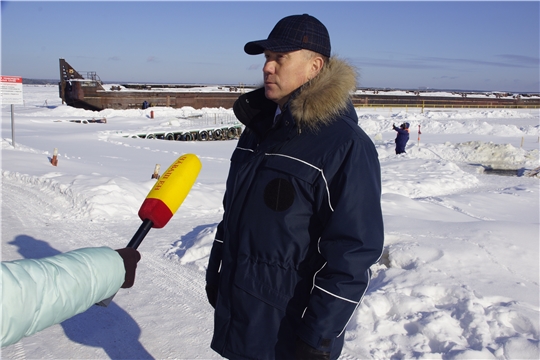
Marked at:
<point>89,93</point>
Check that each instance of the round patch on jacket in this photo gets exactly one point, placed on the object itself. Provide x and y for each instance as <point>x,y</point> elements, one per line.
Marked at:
<point>279,194</point>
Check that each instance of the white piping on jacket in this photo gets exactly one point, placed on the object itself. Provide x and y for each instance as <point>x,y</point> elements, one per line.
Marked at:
<point>220,262</point>
<point>358,304</point>
<point>245,149</point>
<point>336,296</point>
<point>313,166</point>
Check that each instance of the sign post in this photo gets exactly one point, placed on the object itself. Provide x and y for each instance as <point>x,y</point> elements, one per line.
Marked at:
<point>11,91</point>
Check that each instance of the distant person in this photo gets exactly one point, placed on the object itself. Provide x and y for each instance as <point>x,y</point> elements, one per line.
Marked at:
<point>145,104</point>
<point>402,137</point>
<point>38,293</point>
<point>302,220</point>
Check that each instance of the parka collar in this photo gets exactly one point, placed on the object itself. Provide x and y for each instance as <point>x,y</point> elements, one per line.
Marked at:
<point>323,98</point>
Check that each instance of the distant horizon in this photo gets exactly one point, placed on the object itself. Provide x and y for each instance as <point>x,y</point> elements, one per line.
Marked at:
<point>55,82</point>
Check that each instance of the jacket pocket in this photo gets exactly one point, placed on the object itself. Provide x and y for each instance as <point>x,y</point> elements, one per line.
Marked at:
<point>293,166</point>
<point>270,283</point>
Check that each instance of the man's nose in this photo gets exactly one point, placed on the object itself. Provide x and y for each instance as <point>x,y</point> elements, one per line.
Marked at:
<point>268,67</point>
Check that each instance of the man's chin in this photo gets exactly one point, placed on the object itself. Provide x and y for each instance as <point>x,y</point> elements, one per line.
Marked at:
<point>270,95</point>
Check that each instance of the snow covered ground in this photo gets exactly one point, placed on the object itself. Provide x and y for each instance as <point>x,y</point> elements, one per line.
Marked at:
<point>459,278</point>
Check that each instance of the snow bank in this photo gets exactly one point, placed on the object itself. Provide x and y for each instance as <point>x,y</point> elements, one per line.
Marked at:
<point>94,197</point>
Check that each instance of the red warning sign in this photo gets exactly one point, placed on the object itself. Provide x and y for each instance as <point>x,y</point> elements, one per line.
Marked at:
<point>11,90</point>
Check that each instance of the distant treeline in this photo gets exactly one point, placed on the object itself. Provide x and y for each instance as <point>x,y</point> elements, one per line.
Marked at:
<point>39,81</point>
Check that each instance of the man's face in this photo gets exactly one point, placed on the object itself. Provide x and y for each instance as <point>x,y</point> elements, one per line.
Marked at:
<point>285,72</point>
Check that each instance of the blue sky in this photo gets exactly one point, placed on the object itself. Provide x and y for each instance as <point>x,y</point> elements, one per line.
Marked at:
<point>484,45</point>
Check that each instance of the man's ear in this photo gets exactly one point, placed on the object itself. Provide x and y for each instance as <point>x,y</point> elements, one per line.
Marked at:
<point>317,63</point>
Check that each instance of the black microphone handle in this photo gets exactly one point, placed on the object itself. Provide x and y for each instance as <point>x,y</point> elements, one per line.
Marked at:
<point>140,234</point>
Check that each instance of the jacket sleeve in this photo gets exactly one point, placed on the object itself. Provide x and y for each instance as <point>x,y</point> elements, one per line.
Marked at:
<point>214,260</point>
<point>402,131</point>
<point>352,241</point>
<point>38,293</point>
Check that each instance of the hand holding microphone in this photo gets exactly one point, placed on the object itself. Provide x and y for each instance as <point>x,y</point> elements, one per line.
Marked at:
<point>158,208</point>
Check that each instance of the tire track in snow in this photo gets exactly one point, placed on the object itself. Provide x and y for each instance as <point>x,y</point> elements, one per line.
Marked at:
<point>441,202</point>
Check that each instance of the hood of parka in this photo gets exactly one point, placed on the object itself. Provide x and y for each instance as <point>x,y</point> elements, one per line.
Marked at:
<point>324,97</point>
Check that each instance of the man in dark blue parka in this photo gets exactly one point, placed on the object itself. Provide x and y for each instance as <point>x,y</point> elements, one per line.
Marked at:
<point>302,219</point>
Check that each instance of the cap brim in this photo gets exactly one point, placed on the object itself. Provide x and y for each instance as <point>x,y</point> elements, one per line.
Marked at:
<point>258,47</point>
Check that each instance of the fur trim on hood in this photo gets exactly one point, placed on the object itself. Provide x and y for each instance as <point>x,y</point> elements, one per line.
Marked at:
<point>324,97</point>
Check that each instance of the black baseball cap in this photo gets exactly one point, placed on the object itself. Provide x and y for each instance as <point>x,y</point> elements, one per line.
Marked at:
<point>293,33</point>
